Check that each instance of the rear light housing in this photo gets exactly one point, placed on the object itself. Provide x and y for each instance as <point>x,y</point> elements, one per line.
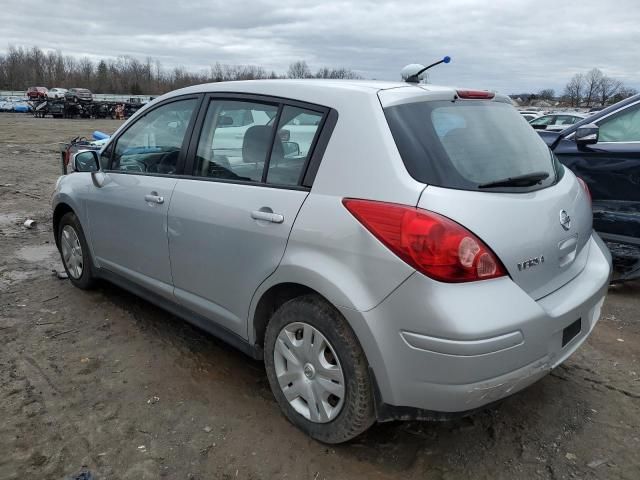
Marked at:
<point>475,94</point>
<point>432,244</point>
<point>585,187</point>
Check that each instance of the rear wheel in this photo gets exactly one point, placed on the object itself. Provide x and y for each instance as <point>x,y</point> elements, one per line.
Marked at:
<point>318,371</point>
<point>75,252</point>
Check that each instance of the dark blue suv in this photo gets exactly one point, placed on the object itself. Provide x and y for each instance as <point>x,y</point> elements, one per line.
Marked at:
<point>604,150</point>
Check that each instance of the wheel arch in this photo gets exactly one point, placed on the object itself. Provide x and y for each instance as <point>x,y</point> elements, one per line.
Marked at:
<point>60,211</point>
<point>269,301</point>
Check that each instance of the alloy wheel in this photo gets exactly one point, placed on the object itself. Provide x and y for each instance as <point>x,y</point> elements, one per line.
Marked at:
<point>72,252</point>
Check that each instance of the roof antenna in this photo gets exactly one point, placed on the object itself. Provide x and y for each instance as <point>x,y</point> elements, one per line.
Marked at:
<point>411,73</point>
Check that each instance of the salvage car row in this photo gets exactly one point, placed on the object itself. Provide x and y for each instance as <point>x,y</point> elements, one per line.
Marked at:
<point>72,94</point>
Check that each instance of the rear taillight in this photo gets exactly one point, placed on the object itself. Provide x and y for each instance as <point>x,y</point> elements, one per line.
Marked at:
<point>434,245</point>
<point>585,187</point>
<point>475,94</point>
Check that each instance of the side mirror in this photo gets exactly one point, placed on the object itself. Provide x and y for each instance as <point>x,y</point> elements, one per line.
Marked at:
<point>539,127</point>
<point>291,149</point>
<point>86,161</point>
<point>587,134</point>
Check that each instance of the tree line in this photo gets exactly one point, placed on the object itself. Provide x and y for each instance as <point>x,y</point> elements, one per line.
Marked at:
<point>590,89</point>
<point>595,88</point>
<point>21,68</point>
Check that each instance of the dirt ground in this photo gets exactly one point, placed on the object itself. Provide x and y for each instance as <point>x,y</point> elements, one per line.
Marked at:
<point>105,380</point>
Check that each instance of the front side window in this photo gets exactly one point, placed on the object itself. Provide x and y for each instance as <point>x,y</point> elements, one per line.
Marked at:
<point>236,139</point>
<point>153,143</point>
<point>546,120</point>
<point>621,127</point>
<point>297,130</point>
<point>566,119</point>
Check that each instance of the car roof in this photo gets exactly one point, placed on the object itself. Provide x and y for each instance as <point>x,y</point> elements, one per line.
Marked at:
<point>302,84</point>
<point>327,92</point>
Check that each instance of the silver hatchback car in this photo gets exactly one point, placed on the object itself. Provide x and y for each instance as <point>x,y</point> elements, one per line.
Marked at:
<point>390,250</point>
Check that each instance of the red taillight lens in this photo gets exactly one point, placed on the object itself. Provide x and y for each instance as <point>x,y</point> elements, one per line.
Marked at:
<point>475,94</point>
<point>585,188</point>
<point>434,245</point>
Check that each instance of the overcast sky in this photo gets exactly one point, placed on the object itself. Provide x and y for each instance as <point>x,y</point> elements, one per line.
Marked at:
<point>512,46</point>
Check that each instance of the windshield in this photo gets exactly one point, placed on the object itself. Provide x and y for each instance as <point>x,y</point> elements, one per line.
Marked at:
<point>466,144</point>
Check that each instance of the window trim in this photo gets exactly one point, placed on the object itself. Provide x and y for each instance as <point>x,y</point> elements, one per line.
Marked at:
<point>183,149</point>
<point>321,138</point>
<point>272,142</point>
<point>315,159</point>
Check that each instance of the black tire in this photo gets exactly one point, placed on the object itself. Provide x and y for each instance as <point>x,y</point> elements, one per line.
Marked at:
<point>357,413</point>
<point>87,279</point>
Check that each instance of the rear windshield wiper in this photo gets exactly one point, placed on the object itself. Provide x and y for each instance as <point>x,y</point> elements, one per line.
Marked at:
<point>527,180</point>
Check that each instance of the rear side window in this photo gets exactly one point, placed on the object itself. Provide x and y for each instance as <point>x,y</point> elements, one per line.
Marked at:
<point>257,142</point>
<point>297,130</point>
<point>465,144</point>
<point>236,140</point>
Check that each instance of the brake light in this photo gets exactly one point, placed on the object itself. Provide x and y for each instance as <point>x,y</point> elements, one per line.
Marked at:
<point>585,187</point>
<point>475,94</point>
<point>434,245</point>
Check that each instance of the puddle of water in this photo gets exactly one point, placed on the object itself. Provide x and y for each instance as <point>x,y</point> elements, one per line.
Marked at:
<point>14,276</point>
<point>7,219</point>
<point>37,253</point>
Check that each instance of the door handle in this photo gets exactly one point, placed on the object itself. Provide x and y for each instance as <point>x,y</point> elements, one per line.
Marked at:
<point>153,197</point>
<point>267,216</point>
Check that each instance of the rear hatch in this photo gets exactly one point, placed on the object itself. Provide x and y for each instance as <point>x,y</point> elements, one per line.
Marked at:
<point>488,170</point>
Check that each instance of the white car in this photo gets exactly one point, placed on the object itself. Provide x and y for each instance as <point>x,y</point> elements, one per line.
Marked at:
<point>528,116</point>
<point>556,122</point>
<point>56,92</point>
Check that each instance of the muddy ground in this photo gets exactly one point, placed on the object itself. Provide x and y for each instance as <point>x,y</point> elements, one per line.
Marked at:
<point>106,380</point>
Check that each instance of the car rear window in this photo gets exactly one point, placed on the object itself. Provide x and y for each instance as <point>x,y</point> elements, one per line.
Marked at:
<point>467,143</point>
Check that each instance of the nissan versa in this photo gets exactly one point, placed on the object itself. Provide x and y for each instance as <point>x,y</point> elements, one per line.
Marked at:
<point>390,250</point>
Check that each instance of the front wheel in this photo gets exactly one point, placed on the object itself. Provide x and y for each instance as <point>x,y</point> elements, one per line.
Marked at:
<point>318,371</point>
<point>75,252</point>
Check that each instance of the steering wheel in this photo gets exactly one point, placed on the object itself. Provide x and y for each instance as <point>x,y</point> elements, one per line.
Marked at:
<point>168,162</point>
<point>133,165</point>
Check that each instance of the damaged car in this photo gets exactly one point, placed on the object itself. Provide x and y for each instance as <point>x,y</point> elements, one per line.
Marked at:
<point>604,151</point>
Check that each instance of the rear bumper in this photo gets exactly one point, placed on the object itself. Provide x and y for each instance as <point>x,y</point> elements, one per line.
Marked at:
<point>455,347</point>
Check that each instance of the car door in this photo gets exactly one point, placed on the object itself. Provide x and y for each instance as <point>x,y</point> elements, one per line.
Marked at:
<point>611,168</point>
<point>229,223</point>
<point>127,205</point>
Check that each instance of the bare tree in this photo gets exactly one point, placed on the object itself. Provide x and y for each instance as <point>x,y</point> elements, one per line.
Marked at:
<point>547,94</point>
<point>86,70</point>
<point>592,80</point>
<point>339,73</point>
<point>575,89</point>
<point>624,92</point>
<point>21,68</point>
<point>299,69</point>
<point>608,88</point>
